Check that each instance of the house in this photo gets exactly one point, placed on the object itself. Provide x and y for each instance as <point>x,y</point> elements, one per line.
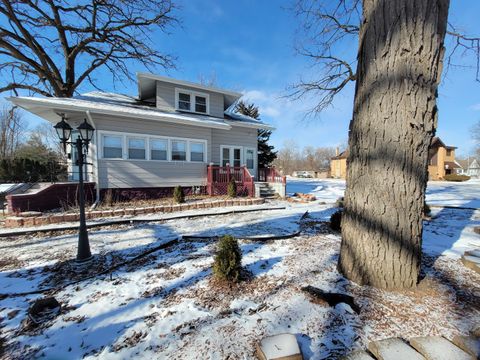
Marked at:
<point>173,133</point>
<point>470,168</point>
<point>338,165</point>
<point>441,161</point>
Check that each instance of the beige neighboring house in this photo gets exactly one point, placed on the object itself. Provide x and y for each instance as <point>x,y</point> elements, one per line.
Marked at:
<point>441,161</point>
<point>338,165</point>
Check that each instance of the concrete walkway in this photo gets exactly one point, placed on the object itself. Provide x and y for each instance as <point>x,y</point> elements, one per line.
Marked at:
<point>422,348</point>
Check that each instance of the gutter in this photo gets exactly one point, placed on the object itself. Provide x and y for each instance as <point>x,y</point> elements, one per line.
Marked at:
<point>95,161</point>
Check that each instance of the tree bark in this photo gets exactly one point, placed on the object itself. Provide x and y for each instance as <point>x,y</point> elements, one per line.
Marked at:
<point>394,119</point>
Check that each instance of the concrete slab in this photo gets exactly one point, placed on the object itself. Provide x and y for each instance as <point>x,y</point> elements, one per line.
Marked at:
<point>393,349</point>
<point>358,355</point>
<point>469,344</point>
<point>279,347</point>
<point>438,348</point>
<point>472,262</point>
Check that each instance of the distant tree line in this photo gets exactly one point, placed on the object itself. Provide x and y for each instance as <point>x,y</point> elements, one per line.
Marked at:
<point>28,156</point>
<point>291,158</point>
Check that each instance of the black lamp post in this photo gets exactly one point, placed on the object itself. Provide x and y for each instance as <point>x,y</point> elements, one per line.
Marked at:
<point>64,130</point>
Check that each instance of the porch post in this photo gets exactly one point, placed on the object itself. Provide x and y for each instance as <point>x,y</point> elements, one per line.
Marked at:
<point>228,173</point>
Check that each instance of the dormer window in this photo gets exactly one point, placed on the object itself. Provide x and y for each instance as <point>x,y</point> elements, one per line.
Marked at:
<point>183,101</point>
<point>200,104</point>
<point>192,101</point>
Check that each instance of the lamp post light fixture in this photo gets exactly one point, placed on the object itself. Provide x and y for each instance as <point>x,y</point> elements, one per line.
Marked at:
<point>64,131</point>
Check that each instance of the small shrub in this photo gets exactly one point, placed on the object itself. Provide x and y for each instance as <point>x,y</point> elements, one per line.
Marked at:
<point>426,210</point>
<point>228,259</point>
<point>232,188</point>
<point>178,195</point>
<point>336,221</point>
<point>340,202</point>
<point>456,177</point>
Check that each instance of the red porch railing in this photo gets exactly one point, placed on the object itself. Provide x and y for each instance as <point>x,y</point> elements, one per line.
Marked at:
<point>271,175</point>
<point>218,178</point>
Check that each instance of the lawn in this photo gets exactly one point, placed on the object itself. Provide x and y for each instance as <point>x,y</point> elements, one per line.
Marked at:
<point>166,305</point>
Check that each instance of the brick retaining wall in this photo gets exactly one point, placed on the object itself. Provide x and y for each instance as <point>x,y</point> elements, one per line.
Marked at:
<point>30,221</point>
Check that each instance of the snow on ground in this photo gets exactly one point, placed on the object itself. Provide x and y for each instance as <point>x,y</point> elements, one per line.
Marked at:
<point>439,193</point>
<point>166,305</point>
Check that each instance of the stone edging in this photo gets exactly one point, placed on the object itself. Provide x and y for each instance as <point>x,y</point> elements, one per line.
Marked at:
<point>17,221</point>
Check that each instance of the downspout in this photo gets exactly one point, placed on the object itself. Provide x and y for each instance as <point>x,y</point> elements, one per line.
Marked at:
<point>95,161</point>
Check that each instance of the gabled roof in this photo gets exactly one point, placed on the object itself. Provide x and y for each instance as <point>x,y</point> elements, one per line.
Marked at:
<point>342,155</point>
<point>124,106</point>
<point>436,141</point>
<point>473,164</point>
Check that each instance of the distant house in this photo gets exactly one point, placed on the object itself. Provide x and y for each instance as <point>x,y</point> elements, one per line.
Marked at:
<point>338,165</point>
<point>166,136</point>
<point>441,161</point>
<point>470,168</point>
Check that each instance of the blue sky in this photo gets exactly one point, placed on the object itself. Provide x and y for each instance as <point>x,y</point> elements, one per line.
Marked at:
<point>248,45</point>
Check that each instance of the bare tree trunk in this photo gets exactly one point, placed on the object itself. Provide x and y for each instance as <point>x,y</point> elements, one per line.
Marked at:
<point>394,119</point>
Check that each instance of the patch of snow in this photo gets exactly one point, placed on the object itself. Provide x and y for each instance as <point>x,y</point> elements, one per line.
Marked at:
<point>165,306</point>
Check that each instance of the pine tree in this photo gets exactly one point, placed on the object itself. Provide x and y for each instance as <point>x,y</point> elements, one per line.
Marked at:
<point>266,155</point>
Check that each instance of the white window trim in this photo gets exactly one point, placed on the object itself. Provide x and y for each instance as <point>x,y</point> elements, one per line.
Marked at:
<point>231,147</point>
<point>192,100</point>
<point>163,138</point>
<point>204,151</point>
<point>102,135</point>
<point>136,138</point>
<point>187,147</point>
<point>126,136</point>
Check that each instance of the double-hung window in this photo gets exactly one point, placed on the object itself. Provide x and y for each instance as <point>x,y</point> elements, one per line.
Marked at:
<point>197,151</point>
<point>179,150</point>
<point>184,101</point>
<point>158,149</point>
<point>112,146</point>
<point>136,148</point>
<point>192,101</point>
<point>200,104</point>
<point>146,147</point>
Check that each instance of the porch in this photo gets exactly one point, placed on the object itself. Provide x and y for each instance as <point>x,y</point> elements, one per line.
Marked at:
<point>269,181</point>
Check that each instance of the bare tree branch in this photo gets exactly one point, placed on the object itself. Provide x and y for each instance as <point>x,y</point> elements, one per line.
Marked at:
<point>465,44</point>
<point>327,32</point>
<point>56,46</point>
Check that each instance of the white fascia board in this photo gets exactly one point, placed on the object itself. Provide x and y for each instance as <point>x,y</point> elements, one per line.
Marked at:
<point>249,125</point>
<point>160,117</point>
<point>187,83</point>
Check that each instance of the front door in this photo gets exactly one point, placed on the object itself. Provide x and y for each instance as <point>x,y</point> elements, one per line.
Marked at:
<point>231,155</point>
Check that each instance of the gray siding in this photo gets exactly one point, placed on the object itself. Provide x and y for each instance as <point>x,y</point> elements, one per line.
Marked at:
<point>147,173</point>
<point>144,173</point>
<point>166,98</point>
<point>236,136</point>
